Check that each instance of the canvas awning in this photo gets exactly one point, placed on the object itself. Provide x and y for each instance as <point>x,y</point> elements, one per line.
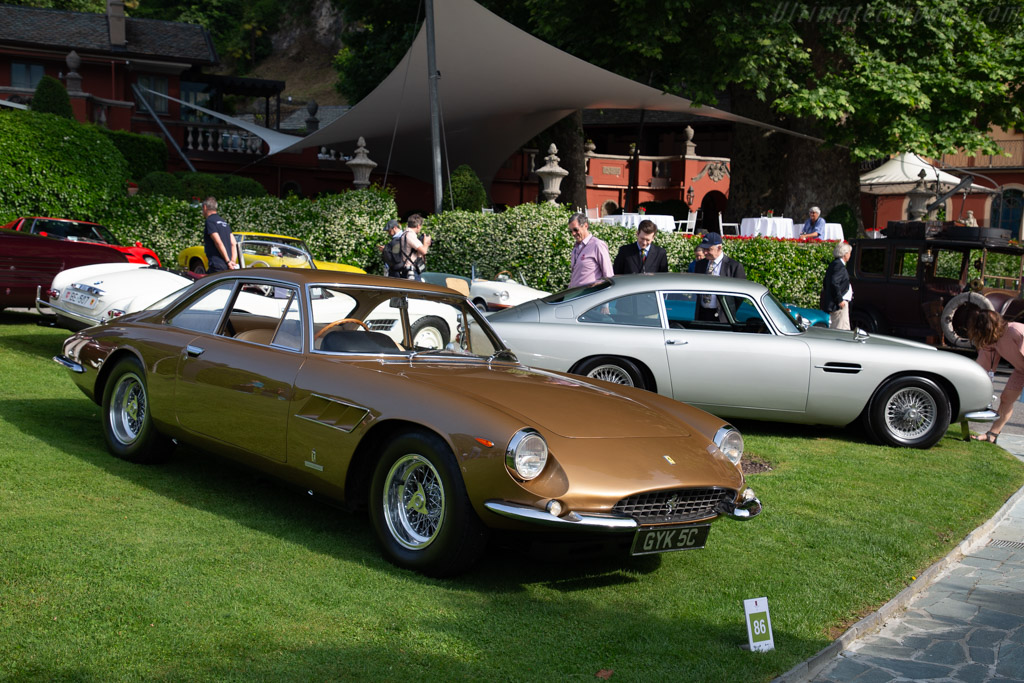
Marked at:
<point>901,173</point>
<point>499,87</point>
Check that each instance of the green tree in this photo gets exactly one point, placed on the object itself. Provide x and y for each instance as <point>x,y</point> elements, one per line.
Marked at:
<point>465,191</point>
<point>50,97</point>
<point>869,79</point>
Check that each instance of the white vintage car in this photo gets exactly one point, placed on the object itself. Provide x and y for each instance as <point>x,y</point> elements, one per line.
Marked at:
<point>488,295</point>
<point>729,347</point>
<point>96,294</point>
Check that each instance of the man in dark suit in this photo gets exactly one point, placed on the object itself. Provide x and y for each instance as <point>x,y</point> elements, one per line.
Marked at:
<point>717,264</point>
<point>642,256</point>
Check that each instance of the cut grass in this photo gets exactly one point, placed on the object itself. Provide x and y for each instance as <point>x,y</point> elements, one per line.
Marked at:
<point>199,570</point>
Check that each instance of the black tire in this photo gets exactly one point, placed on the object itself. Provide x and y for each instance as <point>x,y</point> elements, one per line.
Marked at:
<point>430,332</point>
<point>127,419</point>
<point>197,267</point>
<point>480,304</point>
<point>864,321</point>
<point>420,510</point>
<point>613,369</point>
<point>909,412</point>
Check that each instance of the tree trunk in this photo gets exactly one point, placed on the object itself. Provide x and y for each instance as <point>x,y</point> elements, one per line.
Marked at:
<point>784,173</point>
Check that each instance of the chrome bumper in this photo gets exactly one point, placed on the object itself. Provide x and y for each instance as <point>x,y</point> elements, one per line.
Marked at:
<point>70,365</point>
<point>748,508</point>
<point>84,319</point>
<point>981,416</point>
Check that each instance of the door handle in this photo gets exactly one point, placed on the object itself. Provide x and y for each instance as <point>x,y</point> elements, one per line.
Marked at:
<point>675,342</point>
<point>194,350</point>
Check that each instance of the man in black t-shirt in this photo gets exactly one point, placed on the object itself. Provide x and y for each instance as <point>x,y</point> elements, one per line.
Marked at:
<point>218,242</point>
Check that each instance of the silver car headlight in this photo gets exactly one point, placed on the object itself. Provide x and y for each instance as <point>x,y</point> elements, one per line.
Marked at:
<point>503,295</point>
<point>730,442</point>
<point>527,453</point>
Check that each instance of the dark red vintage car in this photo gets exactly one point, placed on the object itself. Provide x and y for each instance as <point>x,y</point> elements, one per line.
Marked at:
<point>28,262</point>
<point>83,231</point>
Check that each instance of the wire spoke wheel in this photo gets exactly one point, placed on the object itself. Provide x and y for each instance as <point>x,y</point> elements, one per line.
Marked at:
<point>414,501</point>
<point>128,409</point>
<point>911,412</point>
<point>611,373</point>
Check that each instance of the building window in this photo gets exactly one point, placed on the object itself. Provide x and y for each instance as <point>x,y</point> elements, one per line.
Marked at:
<point>199,95</point>
<point>157,84</point>
<point>1008,212</point>
<point>26,75</point>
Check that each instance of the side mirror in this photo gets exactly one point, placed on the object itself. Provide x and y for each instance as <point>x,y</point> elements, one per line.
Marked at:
<point>802,322</point>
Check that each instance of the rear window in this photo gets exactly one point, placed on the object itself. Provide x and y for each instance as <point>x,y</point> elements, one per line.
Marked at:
<point>577,292</point>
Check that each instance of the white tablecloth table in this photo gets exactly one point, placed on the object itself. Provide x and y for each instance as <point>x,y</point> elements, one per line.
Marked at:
<point>664,223</point>
<point>767,226</point>
<point>833,231</point>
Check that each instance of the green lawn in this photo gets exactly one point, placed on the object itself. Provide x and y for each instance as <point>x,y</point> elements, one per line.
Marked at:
<point>196,570</point>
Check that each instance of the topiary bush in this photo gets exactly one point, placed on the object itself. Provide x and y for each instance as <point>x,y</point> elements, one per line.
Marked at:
<point>52,98</point>
<point>465,192</point>
<point>200,185</point>
<point>53,166</point>
<point>145,154</point>
<point>162,183</point>
<point>239,186</point>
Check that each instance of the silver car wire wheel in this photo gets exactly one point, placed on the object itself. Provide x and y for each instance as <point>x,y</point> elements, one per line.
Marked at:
<point>128,408</point>
<point>414,501</point>
<point>610,372</point>
<point>910,412</point>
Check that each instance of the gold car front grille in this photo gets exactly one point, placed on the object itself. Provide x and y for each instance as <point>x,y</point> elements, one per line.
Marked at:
<point>675,505</point>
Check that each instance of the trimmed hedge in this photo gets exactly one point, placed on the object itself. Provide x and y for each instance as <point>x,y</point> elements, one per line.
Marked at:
<point>145,154</point>
<point>531,239</point>
<point>53,166</point>
<point>465,192</point>
<point>50,97</point>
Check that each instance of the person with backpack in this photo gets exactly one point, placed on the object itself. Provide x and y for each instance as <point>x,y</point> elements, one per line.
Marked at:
<point>391,252</point>
<point>412,249</point>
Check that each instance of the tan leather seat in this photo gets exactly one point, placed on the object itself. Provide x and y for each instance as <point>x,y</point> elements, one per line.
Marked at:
<point>258,336</point>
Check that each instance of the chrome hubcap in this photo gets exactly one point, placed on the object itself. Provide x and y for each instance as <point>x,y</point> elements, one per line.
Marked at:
<point>128,408</point>
<point>611,373</point>
<point>910,413</point>
<point>413,502</point>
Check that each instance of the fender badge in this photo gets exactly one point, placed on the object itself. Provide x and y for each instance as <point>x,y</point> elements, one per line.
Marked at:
<point>669,460</point>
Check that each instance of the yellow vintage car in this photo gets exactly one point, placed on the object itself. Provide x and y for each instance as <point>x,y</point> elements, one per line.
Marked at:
<point>264,250</point>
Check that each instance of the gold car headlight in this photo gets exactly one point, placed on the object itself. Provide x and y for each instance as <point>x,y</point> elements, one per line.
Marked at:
<point>730,442</point>
<point>527,453</point>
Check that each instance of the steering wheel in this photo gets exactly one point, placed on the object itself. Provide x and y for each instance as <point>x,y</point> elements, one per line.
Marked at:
<point>342,321</point>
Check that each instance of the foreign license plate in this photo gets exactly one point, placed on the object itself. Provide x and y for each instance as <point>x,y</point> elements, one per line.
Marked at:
<point>665,539</point>
<point>78,298</point>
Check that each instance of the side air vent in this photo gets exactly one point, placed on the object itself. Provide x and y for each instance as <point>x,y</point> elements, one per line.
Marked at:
<point>841,368</point>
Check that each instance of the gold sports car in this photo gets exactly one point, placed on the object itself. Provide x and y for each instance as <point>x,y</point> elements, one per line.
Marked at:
<point>264,250</point>
<point>278,369</point>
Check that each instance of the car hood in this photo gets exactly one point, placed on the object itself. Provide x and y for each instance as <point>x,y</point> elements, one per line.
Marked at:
<point>871,339</point>
<point>566,406</point>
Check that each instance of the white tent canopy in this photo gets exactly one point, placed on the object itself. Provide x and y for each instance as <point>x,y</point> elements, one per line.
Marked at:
<point>499,87</point>
<point>901,173</point>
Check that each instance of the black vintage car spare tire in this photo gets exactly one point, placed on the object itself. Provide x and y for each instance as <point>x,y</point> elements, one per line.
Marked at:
<point>955,315</point>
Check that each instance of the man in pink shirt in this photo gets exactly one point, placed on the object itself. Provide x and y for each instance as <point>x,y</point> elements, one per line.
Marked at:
<point>590,260</point>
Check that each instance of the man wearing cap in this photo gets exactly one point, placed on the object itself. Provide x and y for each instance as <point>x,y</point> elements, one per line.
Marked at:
<point>718,264</point>
<point>642,256</point>
<point>814,226</point>
<point>590,260</point>
<point>391,252</point>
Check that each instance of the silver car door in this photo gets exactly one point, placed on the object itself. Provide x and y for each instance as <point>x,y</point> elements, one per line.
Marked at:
<point>736,362</point>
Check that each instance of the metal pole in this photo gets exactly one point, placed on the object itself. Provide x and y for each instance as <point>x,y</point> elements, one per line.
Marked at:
<point>170,140</point>
<point>435,117</point>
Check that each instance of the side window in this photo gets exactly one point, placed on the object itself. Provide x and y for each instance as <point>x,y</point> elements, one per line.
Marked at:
<point>680,309</point>
<point>640,310</point>
<point>266,315</point>
<point>745,315</point>
<point>871,260</point>
<point>203,314</point>
<point>949,263</point>
<point>904,263</point>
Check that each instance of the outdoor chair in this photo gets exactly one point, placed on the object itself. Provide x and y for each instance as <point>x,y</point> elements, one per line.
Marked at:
<point>734,227</point>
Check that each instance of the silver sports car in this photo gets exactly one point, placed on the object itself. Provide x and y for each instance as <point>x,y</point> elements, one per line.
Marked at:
<point>729,347</point>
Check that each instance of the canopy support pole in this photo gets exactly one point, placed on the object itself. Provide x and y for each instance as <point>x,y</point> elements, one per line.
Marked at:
<point>435,127</point>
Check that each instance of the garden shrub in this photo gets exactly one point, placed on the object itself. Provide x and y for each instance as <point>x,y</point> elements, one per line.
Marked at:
<point>53,166</point>
<point>162,183</point>
<point>200,185</point>
<point>465,192</point>
<point>145,154</point>
<point>239,186</point>
<point>51,97</point>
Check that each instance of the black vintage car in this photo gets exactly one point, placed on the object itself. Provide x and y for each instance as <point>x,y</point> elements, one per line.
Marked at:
<point>923,280</point>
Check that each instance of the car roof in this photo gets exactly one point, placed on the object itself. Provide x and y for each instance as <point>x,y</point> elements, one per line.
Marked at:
<point>629,284</point>
<point>307,276</point>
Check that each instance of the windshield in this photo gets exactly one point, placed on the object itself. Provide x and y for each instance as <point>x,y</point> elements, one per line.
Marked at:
<point>274,253</point>
<point>780,315</point>
<point>74,230</point>
<point>577,292</point>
